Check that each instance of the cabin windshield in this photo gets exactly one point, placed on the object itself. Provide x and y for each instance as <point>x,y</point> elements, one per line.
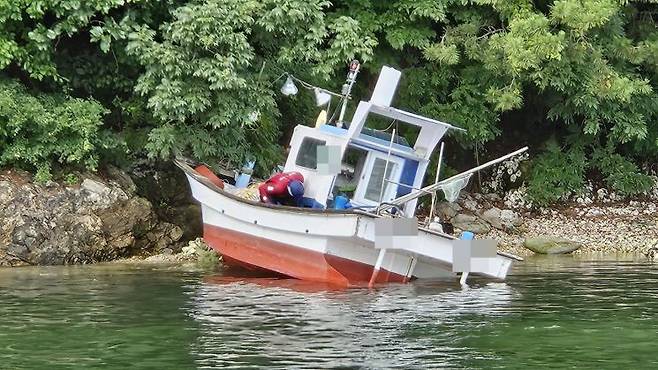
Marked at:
<point>351,171</point>
<point>380,128</point>
<point>308,153</point>
<point>364,172</point>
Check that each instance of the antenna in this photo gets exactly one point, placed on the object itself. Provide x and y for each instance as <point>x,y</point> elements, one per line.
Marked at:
<point>347,89</point>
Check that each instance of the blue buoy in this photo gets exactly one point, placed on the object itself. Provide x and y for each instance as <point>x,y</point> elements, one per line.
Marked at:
<point>467,235</point>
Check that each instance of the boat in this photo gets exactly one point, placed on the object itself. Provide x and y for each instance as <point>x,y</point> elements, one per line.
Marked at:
<point>353,246</point>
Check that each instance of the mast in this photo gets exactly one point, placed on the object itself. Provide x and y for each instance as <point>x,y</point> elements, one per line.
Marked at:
<point>347,89</point>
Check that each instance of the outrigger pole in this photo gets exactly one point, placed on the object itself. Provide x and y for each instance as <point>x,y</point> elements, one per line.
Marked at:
<point>431,188</point>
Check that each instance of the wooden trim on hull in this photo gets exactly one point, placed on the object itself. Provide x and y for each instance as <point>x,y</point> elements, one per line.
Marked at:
<point>252,251</point>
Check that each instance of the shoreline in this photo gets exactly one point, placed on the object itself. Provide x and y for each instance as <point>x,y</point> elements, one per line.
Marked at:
<point>608,229</point>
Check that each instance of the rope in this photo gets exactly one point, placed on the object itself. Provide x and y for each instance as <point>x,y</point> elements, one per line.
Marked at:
<point>389,126</point>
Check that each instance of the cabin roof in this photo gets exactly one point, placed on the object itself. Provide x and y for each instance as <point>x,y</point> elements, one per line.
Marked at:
<point>410,118</point>
<point>369,141</point>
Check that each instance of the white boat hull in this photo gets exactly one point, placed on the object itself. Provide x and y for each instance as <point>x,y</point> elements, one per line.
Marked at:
<point>324,246</point>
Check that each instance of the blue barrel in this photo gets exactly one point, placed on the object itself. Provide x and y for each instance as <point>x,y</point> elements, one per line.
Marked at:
<point>466,235</point>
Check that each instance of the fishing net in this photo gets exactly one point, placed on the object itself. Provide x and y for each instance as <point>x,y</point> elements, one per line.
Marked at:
<point>451,189</point>
<point>250,193</point>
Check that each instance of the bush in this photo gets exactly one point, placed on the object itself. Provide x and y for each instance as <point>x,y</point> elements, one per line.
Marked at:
<point>621,174</point>
<point>39,131</point>
<point>556,174</point>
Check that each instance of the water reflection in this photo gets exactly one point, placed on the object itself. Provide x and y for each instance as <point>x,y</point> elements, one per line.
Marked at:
<point>551,312</point>
<point>284,322</point>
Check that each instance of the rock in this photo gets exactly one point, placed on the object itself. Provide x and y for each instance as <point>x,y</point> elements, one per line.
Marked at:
<point>175,233</point>
<point>471,223</point>
<point>501,219</point>
<point>510,218</point>
<point>97,221</point>
<point>187,218</point>
<point>447,210</point>
<point>492,216</point>
<point>470,204</point>
<point>95,187</point>
<point>493,197</point>
<point>551,245</point>
<point>123,179</point>
<point>166,187</point>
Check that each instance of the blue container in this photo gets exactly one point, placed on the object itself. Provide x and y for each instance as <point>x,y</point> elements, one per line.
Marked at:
<point>245,176</point>
<point>466,235</point>
<point>341,202</point>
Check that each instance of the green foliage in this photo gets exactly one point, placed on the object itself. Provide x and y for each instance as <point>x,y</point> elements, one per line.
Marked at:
<point>204,78</point>
<point>39,131</point>
<point>556,173</point>
<point>71,179</point>
<point>621,174</point>
<point>31,30</point>
<point>538,70</point>
<point>195,77</point>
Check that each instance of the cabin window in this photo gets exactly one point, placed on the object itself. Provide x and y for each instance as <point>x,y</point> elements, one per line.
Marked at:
<point>308,153</point>
<point>351,171</point>
<point>373,190</point>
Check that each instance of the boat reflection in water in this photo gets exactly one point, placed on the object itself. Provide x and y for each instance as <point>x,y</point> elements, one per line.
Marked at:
<point>281,322</point>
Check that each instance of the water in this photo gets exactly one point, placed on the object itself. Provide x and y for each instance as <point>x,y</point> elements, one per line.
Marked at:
<point>557,312</point>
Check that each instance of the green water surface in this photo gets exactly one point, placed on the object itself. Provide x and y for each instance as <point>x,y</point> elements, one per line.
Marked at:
<point>550,313</point>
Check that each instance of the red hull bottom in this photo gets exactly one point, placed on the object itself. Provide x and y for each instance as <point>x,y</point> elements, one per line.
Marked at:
<point>254,252</point>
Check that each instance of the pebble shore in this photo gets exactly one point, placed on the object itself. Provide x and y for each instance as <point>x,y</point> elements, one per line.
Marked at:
<point>621,228</point>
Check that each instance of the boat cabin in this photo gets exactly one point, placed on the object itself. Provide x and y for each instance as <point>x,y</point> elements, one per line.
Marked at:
<point>370,166</point>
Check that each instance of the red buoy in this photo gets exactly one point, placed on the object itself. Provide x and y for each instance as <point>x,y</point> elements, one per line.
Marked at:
<point>206,172</point>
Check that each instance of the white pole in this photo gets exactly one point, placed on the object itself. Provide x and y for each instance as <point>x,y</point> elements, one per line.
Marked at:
<point>436,179</point>
<point>351,77</point>
<point>463,278</point>
<point>378,266</point>
<point>410,273</point>
<point>388,157</point>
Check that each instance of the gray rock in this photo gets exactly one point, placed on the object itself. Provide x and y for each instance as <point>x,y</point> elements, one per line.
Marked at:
<point>551,245</point>
<point>501,219</point>
<point>95,187</point>
<point>492,216</point>
<point>470,223</point>
<point>470,204</point>
<point>99,221</point>
<point>123,179</point>
<point>175,233</point>
<point>510,218</point>
<point>447,210</point>
<point>493,197</point>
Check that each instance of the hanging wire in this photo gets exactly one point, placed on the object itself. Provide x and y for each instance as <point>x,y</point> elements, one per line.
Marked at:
<point>312,87</point>
<point>304,84</point>
<point>278,78</point>
<point>309,86</point>
<point>389,126</point>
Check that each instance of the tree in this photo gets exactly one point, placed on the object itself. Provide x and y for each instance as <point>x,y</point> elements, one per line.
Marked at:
<point>574,77</point>
<point>208,73</point>
<point>39,131</point>
<point>583,71</point>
